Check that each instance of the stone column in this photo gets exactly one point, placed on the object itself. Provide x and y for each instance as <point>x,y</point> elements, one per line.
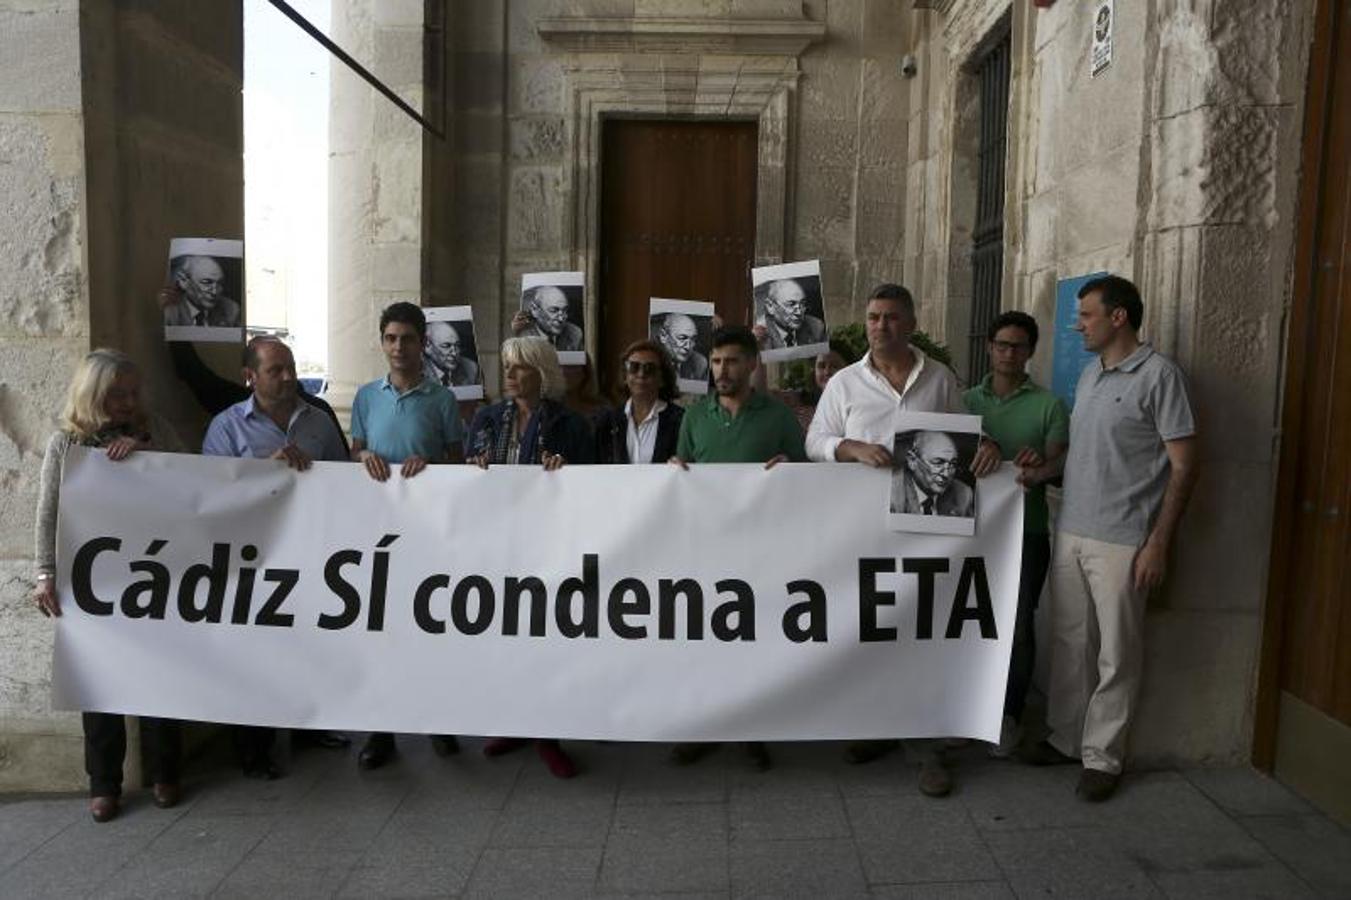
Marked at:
<point>44,329</point>
<point>375,187</point>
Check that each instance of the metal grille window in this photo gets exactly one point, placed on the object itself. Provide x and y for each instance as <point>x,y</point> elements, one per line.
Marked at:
<point>987,238</point>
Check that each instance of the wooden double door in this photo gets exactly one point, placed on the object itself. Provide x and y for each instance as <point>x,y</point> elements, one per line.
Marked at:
<point>1304,709</point>
<point>677,222</point>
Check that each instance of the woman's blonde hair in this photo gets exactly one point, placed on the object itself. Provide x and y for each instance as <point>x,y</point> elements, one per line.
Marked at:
<point>84,414</point>
<point>540,355</point>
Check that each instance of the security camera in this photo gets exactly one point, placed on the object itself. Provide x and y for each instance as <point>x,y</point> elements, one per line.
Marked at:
<point>909,65</point>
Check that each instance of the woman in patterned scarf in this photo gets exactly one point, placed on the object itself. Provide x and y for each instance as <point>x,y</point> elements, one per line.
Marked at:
<point>531,426</point>
<point>103,409</point>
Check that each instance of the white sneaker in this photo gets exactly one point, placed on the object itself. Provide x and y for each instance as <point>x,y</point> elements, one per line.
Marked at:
<point>1010,736</point>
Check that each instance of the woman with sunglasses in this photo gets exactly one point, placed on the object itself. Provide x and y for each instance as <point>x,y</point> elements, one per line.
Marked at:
<point>645,430</point>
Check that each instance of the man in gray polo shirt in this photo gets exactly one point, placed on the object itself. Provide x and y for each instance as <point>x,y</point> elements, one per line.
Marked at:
<point>1128,474</point>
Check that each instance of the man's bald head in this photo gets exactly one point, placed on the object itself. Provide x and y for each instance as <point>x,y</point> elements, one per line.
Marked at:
<point>548,306</point>
<point>786,303</point>
<point>933,460</point>
<point>443,345</point>
<point>678,335</point>
<point>201,279</point>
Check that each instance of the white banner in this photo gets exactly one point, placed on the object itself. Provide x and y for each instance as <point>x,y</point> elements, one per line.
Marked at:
<point>607,602</point>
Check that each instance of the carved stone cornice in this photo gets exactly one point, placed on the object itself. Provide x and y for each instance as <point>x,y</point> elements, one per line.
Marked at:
<point>621,34</point>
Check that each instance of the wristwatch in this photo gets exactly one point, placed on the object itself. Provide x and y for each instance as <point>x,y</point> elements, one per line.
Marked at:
<point>46,576</point>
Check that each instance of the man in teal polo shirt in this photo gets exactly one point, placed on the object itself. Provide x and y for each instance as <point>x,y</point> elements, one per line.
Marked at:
<point>1031,426</point>
<point>405,420</point>
<point>736,424</point>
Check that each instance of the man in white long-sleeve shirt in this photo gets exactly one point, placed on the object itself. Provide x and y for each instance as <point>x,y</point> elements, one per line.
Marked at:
<point>855,422</point>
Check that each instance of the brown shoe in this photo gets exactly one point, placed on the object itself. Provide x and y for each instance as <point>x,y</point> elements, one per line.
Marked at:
<point>934,779</point>
<point>166,794</point>
<point>1096,785</point>
<point>103,809</point>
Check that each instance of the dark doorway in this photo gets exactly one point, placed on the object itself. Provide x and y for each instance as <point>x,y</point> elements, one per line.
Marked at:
<point>677,221</point>
<point>987,237</point>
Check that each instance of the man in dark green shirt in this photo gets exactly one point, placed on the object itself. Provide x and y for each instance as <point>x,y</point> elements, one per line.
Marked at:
<point>736,424</point>
<point>1031,426</point>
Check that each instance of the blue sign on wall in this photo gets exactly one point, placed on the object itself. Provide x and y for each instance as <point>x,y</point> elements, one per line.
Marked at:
<point>1068,356</point>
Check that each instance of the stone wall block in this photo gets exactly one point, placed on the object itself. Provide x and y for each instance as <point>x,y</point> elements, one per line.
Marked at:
<point>1041,230</point>
<point>477,81</point>
<point>398,56</point>
<point>839,286</point>
<point>40,68</point>
<point>1196,701</point>
<point>32,391</point>
<point>829,88</point>
<point>885,94</point>
<point>827,145</point>
<point>1092,200</point>
<point>882,144</point>
<point>398,13</point>
<point>476,27</point>
<point>392,123</point>
<point>1240,184</point>
<point>536,210</point>
<point>881,214</point>
<point>397,179</point>
<point>1231,507</point>
<point>1185,67</point>
<point>536,85</point>
<point>1248,37</point>
<point>824,223</point>
<point>479,135</point>
<point>478,206</point>
<point>691,9</point>
<point>397,267</point>
<point>538,139</point>
<point>41,279</point>
<point>349,122</point>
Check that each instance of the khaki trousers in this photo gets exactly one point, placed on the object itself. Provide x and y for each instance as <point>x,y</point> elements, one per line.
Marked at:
<point>1097,649</point>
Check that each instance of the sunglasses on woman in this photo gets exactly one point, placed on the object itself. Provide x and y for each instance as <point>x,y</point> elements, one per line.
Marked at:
<point>635,367</point>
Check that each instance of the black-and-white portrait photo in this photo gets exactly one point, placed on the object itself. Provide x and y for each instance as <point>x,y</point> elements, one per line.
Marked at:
<point>208,274</point>
<point>684,328</point>
<point>553,301</point>
<point>932,488</point>
<point>789,305</point>
<point>450,351</point>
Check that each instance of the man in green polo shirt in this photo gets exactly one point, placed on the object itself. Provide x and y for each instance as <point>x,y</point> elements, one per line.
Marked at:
<point>1032,428</point>
<point>736,424</point>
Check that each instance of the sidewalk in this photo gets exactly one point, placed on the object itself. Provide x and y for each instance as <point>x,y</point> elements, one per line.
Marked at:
<point>633,825</point>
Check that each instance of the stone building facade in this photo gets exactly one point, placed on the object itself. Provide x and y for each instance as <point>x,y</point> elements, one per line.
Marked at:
<point>1176,166</point>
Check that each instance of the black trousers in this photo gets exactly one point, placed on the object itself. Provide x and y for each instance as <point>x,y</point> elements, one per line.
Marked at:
<point>1023,659</point>
<point>105,748</point>
<point>254,744</point>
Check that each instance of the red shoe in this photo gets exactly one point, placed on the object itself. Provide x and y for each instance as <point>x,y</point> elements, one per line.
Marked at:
<point>558,762</point>
<point>501,746</point>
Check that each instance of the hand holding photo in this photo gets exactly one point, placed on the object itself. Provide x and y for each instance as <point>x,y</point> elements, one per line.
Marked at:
<point>553,301</point>
<point>932,488</point>
<point>450,351</point>
<point>208,275</point>
<point>684,328</point>
<point>788,303</point>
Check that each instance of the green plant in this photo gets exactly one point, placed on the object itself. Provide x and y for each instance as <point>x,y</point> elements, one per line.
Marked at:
<point>797,375</point>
